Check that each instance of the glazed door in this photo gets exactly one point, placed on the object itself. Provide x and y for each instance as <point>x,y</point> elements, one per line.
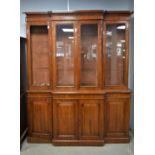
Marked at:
<point>39,118</point>
<point>89,54</point>
<point>39,57</point>
<point>64,54</point>
<point>116,54</point>
<point>91,119</point>
<point>65,119</point>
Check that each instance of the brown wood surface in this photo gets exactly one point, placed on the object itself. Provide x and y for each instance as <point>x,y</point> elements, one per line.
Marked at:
<point>123,85</point>
<point>75,114</point>
<point>91,119</point>
<point>92,76</point>
<point>65,119</point>
<point>55,61</point>
<point>39,116</point>
<point>117,115</point>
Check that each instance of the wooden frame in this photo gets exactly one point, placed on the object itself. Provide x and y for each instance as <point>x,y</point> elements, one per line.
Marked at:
<point>54,55</point>
<point>29,53</point>
<point>40,106</point>
<point>99,54</point>
<point>125,86</point>
<point>117,112</point>
<point>56,104</point>
<point>72,124</point>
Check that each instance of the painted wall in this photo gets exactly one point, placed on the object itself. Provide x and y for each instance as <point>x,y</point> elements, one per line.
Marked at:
<point>131,70</point>
<point>64,5</point>
<point>61,5</point>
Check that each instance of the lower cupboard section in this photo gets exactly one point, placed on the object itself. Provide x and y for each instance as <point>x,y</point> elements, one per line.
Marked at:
<point>65,120</point>
<point>75,120</point>
<point>91,119</point>
<point>117,118</point>
<point>39,118</point>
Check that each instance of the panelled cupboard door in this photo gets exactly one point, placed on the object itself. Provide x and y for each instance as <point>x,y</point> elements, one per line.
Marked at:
<point>117,116</point>
<point>65,119</point>
<point>116,54</point>
<point>40,120</point>
<point>39,57</point>
<point>91,119</point>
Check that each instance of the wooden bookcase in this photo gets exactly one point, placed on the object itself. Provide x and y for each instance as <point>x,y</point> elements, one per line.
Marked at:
<point>77,71</point>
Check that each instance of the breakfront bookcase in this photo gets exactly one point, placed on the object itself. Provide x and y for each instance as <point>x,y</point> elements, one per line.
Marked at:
<point>77,71</point>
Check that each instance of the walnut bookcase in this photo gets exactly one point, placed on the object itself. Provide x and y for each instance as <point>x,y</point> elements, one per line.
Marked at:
<point>77,71</point>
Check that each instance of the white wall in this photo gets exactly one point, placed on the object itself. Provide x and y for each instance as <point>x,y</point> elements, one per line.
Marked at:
<point>62,5</point>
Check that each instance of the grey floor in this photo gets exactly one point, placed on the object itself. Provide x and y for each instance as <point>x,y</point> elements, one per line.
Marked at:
<point>49,149</point>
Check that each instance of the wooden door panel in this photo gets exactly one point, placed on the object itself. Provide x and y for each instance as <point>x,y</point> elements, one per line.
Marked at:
<point>39,58</point>
<point>116,54</point>
<point>64,55</point>
<point>65,119</point>
<point>89,54</point>
<point>91,118</point>
<point>117,116</point>
<point>116,119</point>
<point>40,116</point>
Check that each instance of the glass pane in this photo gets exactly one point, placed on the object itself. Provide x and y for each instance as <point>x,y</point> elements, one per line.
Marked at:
<point>89,43</point>
<point>115,56</point>
<point>40,56</point>
<point>65,54</point>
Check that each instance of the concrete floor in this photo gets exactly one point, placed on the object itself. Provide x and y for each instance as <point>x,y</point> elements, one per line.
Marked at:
<point>49,149</point>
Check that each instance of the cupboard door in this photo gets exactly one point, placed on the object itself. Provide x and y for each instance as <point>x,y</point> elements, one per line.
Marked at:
<point>90,50</point>
<point>117,116</point>
<point>65,119</point>
<point>39,58</point>
<point>116,57</point>
<point>40,120</point>
<point>64,65</point>
<point>91,119</point>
